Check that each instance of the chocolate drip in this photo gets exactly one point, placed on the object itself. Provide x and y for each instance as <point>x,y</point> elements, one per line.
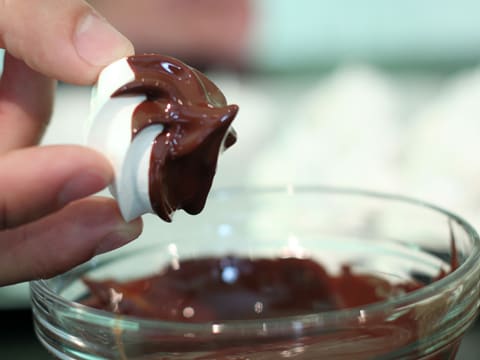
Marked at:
<point>196,120</point>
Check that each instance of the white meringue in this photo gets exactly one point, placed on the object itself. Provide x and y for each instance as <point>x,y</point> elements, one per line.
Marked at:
<point>109,131</point>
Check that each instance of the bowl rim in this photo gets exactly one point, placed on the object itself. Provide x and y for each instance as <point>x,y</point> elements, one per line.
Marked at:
<point>472,263</point>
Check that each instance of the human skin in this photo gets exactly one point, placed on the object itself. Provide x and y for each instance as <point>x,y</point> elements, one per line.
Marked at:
<point>48,222</point>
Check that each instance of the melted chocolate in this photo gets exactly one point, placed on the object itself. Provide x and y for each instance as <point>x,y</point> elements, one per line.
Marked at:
<point>217,289</point>
<point>196,120</point>
<point>231,288</point>
<point>213,290</point>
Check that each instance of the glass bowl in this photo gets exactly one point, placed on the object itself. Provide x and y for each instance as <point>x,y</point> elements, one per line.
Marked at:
<point>383,239</point>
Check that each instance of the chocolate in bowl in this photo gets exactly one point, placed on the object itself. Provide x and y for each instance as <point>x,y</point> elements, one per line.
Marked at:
<point>399,240</point>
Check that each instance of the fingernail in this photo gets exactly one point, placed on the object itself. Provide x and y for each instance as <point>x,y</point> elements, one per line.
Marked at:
<point>121,236</point>
<point>99,43</point>
<point>81,185</point>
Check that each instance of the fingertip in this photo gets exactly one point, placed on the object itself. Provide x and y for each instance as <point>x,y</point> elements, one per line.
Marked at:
<point>122,235</point>
<point>82,184</point>
<point>93,174</point>
<point>97,42</point>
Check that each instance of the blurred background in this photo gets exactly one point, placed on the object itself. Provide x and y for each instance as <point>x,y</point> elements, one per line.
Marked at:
<point>362,93</point>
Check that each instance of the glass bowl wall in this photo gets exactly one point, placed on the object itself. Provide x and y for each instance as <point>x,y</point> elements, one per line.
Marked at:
<point>395,238</point>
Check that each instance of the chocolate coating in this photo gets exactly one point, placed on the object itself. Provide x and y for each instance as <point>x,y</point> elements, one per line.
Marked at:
<point>196,120</point>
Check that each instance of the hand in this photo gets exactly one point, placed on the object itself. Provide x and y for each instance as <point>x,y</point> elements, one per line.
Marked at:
<point>44,228</point>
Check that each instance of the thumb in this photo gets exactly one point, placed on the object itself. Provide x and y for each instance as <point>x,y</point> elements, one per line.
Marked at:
<point>66,40</point>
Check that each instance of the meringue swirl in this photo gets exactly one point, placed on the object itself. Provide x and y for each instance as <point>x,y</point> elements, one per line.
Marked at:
<point>193,126</point>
